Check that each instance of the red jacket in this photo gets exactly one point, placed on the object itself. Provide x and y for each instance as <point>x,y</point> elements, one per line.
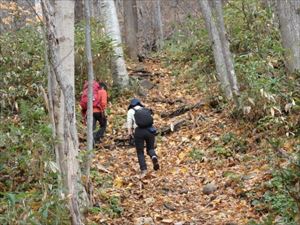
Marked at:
<point>103,101</point>
<point>102,106</point>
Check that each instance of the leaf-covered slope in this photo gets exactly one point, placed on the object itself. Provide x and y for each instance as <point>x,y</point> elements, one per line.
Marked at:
<point>210,149</point>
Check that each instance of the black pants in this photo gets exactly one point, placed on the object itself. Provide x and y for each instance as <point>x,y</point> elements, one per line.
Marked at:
<point>142,135</point>
<point>101,118</point>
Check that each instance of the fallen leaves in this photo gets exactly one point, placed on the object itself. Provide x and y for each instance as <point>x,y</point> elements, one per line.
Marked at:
<point>118,182</point>
<point>174,194</point>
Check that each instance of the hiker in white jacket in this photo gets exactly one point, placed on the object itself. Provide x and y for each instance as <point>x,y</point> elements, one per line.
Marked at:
<point>142,133</point>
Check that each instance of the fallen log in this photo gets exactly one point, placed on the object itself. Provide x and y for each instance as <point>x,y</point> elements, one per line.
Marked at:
<point>142,73</point>
<point>129,142</point>
<point>168,101</point>
<point>173,127</point>
<point>182,110</point>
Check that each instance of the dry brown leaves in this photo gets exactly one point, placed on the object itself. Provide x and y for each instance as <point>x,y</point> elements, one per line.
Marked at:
<point>173,195</point>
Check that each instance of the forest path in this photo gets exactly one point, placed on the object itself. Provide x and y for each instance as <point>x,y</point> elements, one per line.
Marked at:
<point>209,150</point>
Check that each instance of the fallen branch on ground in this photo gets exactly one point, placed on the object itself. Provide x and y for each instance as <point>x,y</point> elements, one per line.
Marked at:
<point>173,127</point>
<point>144,73</point>
<point>182,110</point>
<point>165,100</point>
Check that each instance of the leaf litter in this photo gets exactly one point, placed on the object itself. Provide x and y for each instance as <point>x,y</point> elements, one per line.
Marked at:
<point>189,160</point>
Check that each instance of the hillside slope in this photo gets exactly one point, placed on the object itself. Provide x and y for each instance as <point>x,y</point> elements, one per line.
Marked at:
<point>210,168</point>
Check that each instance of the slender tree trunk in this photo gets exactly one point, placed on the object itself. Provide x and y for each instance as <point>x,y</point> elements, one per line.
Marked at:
<point>174,7</point>
<point>289,21</point>
<point>142,27</point>
<point>91,8</point>
<point>97,10</point>
<point>226,51</point>
<point>217,48</point>
<point>59,20</point>
<point>38,8</point>
<point>131,27</point>
<point>79,10</point>
<point>159,24</point>
<point>88,50</point>
<point>119,71</point>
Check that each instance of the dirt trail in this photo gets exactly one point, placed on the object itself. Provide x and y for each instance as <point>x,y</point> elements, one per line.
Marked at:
<point>189,158</point>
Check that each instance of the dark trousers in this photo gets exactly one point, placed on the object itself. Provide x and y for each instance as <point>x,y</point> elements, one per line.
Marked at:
<point>142,135</point>
<point>101,118</point>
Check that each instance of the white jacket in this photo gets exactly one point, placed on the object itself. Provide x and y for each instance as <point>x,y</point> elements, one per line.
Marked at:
<point>130,117</point>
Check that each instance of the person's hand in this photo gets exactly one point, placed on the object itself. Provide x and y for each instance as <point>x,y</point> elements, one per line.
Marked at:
<point>151,111</point>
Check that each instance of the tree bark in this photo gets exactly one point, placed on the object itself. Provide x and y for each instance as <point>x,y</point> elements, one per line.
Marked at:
<point>267,3</point>
<point>158,25</point>
<point>91,8</point>
<point>226,51</point>
<point>88,51</point>
<point>217,48</point>
<point>119,71</point>
<point>131,28</point>
<point>97,10</point>
<point>79,11</point>
<point>289,20</point>
<point>59,20</point>
<point>38,8</point>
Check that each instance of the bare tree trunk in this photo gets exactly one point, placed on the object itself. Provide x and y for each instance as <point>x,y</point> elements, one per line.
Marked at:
<point>131,27</point>
<point>158,24</point>
<point>91,8</point>
<point>59,20</point>
<point>289,21</point>
<point>217,48</point>
<point>97,10</point>
<point>79,10</point>
<point>226,51</point>
<point>174,8</point>
<point>142,27</point>
<point>88,49</point>
<point>119,71</point>
<point>38,8</point>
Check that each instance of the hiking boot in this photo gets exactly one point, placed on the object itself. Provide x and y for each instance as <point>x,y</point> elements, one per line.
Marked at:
<point>155,163</point>
<point>143,174</point>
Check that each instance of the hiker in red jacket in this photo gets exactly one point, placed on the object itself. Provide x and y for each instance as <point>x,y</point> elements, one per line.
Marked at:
<point>99,106</point>
<point>99,114</point>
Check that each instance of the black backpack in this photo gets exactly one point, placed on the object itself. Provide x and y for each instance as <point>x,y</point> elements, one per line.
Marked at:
<point>143,117</point>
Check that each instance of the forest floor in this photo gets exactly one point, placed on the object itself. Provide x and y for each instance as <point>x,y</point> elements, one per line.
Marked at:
<point>212,149</point>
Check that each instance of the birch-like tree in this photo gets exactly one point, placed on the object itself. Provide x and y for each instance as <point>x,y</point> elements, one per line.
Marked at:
<point>289,20</point>
<point>79,10</point>
<point>226,50</point>
<point>224,64</point>
<point>38,8</point>
<point>88,51</point>
<point>158,24</point>
<point>119,71</point>
<point>217,47</point>
<point>131,27</point>
<point>59,21</point>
